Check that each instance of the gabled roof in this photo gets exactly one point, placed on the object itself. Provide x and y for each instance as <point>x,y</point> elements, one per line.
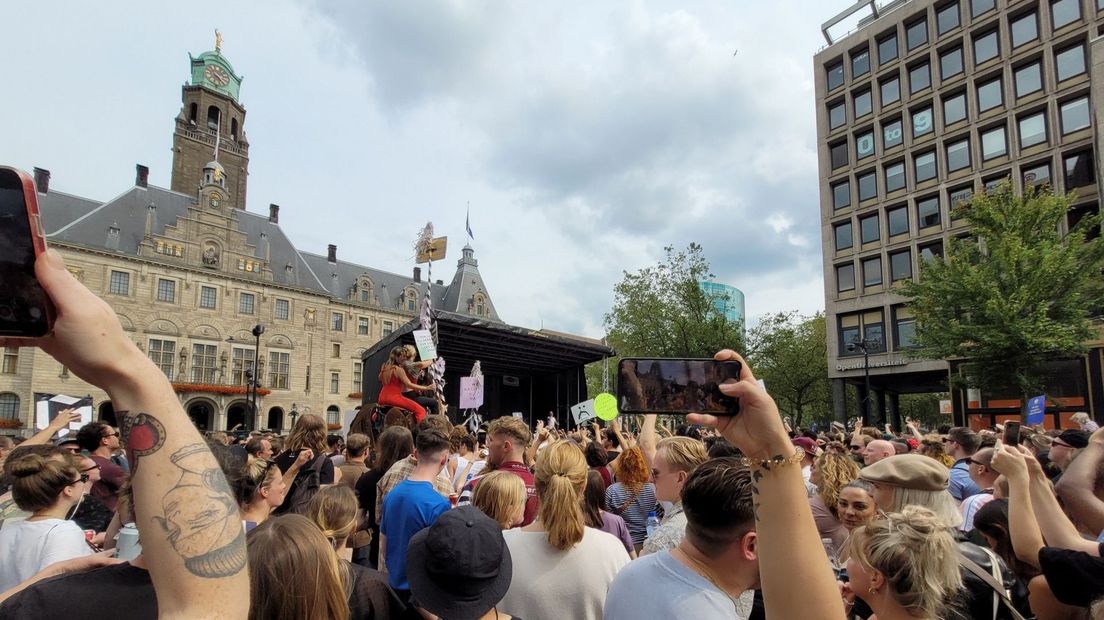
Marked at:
<point>465,284</point>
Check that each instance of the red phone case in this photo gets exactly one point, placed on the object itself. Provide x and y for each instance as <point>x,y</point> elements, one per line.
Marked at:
<point>38,237</point>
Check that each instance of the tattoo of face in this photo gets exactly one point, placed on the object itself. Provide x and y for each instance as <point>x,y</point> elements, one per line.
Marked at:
<point>142,434</point>
<point>201,516</point>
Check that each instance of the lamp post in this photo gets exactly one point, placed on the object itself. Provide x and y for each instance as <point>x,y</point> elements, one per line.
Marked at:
<point>863,345</point>
<point>252,376</point>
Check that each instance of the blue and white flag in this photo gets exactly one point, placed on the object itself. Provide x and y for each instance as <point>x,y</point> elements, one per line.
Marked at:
<point>467,223</point>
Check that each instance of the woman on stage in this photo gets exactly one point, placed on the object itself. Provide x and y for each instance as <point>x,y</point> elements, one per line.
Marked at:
<point>395,380</point>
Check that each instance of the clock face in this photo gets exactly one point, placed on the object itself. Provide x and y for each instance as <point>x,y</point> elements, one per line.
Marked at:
<point>217,75</point>
<point>216,199</point>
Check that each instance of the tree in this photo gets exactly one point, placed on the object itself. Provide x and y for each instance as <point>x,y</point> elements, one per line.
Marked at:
<point>662,311</point>
<point>789,352</point>
<point>1014,295</point>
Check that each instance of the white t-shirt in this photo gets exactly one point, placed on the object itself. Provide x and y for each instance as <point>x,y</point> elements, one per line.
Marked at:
<point>30,546</point>
<point>549,583</point>
<point>461,465</point>
<point>659,586</point>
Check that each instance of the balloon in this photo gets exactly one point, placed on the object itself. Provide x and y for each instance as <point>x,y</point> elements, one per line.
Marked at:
<point>605,406</point>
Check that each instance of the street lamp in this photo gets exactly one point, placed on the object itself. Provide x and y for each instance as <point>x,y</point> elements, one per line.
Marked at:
<point>251,375</point>
<point>864,346</point>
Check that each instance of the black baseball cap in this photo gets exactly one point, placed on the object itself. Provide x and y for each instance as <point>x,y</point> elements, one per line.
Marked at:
<point>1074,438</point>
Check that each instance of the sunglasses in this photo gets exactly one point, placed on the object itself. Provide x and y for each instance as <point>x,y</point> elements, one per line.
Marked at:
<point>83,478</point>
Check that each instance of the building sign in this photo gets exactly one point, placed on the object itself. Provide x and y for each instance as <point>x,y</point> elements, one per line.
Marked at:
<point>893,361</point>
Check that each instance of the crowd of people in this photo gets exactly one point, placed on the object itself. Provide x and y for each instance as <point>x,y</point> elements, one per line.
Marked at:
<point>720,517</point>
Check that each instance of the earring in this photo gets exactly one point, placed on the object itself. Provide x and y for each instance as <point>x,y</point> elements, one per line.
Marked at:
<point>873,591</point>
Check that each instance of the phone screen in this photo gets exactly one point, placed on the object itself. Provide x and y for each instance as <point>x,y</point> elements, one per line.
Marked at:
<point>676,386</point>
<point>1012,433</point>
<point>23,303</point>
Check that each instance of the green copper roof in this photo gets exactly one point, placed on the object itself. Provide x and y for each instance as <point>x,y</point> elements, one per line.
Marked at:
<point>212,70</point>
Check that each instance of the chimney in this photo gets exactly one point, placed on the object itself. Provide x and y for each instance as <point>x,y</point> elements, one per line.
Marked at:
<point>141,178</point>
<point>42,180</point>
<point>274,213</point>
<point>440,282</point>
<point>331,253</point>
<point>417,274</point>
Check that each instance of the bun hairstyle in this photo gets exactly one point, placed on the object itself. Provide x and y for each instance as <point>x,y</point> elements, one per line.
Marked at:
<point>257,474</point>
<point>38,475</point>
<point>560,478</point>
<point>916,553</point>
<point>333,510</point>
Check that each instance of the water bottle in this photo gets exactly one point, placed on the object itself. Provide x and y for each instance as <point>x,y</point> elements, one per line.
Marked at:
<point>127,546</point>
<point>652,523</point>
<point>830,549</point>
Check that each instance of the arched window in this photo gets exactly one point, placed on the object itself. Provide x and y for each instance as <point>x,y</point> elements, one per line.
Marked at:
<point>9,406</point>
<point>213,117</point>
<point>333,415</point>
<point>410,298</point>
<point>234,129</point>
<point>193,112</point>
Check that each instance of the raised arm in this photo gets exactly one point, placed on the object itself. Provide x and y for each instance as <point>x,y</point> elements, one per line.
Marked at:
<point>186,514</point>
<point>914,430</point>
<point>1023,529</point>
<point>648,439</point>
<point>1076,485</point>
<point>60,421</point>
<point>1057,529</point>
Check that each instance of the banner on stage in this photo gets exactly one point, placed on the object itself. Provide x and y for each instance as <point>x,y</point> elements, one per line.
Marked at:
<point>48,406</point>
<point>423,340</point>
<point>471,393</point>
<point>583,411</point>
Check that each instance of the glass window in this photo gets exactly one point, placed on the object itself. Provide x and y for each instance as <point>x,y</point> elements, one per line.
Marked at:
<point>898,221</point>
<point>994,143</point>
<point>362,326</point>
<point>358,375</point>
<point>986,47</point>
<point>839,155</point>
<point>282,309</point>
<point>845,277</point>
<point>977,7</point>
<point>1064,12</point>
<point>925,166</point>
<point>868,186</point>
<point>1029,79</point>
<point>860,63</point>
<point>245,303</point>
<point>950,63</point>
<point>990,95</point>
<point>868,226</point>
<point>208,297</point>
<point>835,75</point>
<point>10,365</point>
<point>335,387</point>
<point>1078,168</point>
<point>864,145</point>
<point>892,134</point>
<point>848,335</point>
<point>958,155</point>
<point>204,360</point>
<point>1070,62</point>
<point>872,271</point>
<point>947,19</point>
<point>891,91</point>
<point>386,327</point>
<point>916,34</point>
<point>895,176</point>
<point>1037,175</point>
<point>862,103</point>
<point>837,116</point>
<point>960,195</point>
<point>995,182</point>
<point>278,367</point>
<point>873,332</point>
<point>954,109</point>
<point>905,333</point>
<point>922,122</point>
<point>927,212</point>
<point>841,195</point>
<point>337,322</point>
<point>1075,115</point>
<point>931,251</point>
<point>900,266</point>
<point>166,290</point>
<point>241,366</point>
<point>9,406</point>
<point>887,49</point>
<point>1032,130</point>
<point>843,235</point>
<point>919,78</point>
<point>119,283</point>
<point>1024,29</point>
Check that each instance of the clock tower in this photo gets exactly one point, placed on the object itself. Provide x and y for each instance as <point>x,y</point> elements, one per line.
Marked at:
<point>211,127</point>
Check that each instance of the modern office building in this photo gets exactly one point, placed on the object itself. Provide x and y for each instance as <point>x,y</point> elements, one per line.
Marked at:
<point>924,103</point>
<point>727,300</point>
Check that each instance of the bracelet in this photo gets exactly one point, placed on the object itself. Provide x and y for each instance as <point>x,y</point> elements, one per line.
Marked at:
<point>774,461</point>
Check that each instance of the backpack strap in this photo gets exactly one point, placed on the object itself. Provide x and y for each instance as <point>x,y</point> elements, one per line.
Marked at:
<point>1000,594</point>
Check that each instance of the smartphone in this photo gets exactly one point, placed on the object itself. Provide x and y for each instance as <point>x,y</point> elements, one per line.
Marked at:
<point>1012,433</point>
<point>25,309</point>
<point>676,385</point>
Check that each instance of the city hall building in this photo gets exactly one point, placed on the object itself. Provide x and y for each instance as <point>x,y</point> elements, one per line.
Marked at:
<point>922,104</point>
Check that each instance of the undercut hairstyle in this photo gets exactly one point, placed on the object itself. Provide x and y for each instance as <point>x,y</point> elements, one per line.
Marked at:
<point>682,453</point>
<point>89,436</point>
<point>438,423</point>
<point>357,444</point>
<point>431,442</point>
<point>513,428</point>
<point>718,505</point>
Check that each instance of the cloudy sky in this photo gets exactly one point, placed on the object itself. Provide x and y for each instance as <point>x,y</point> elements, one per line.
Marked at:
<point>585,135</point>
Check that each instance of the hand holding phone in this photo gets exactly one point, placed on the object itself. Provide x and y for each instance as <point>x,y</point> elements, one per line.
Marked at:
<point>1012,433</point>
<point>25,309</point>
<point>676,386</point>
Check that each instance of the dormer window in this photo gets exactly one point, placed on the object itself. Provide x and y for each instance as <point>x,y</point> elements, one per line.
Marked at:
<point>410,300</point>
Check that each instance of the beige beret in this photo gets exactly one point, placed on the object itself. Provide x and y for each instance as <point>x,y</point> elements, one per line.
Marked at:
<point>908,471</point>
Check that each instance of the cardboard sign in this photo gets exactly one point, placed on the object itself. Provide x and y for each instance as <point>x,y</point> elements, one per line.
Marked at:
<point>583,411</point>
<point>435,250</point>
<point>48,406</point>
<point>471,393</point>
<point>347,421</point>
<point>423,340</point>
<point>519,415</point>
<point>1036,409</point>
<point>605,406</point>
<point>946,407</point>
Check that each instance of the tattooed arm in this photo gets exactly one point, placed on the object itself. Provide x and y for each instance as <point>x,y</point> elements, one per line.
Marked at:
<point>186,515</point>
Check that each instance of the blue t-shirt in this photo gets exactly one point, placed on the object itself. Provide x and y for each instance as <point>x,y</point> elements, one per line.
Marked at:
<point>410,507</point>
<point>961,486</point>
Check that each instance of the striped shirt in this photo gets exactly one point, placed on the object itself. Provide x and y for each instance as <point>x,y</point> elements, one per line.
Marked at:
<point>635,513</point>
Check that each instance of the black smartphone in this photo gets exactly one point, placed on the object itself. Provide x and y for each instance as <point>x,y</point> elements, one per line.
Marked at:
<point>676,385</point>
<point>1012,433</point>
<point>25,309</point>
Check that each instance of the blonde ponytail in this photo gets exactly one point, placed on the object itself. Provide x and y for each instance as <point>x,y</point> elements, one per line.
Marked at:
<point>560,478</point>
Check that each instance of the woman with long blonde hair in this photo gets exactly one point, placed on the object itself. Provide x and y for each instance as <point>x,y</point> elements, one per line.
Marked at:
<point>562,568</point>
<point>501,496</point>
<point>831,471</point>
<point>309,433</point>
<point>633,496</point>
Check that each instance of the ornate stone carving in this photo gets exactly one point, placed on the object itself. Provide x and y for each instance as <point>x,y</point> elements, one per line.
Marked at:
<point>210,256</point>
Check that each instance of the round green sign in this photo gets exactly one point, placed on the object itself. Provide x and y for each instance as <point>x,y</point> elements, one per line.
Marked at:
<point>605,406</point>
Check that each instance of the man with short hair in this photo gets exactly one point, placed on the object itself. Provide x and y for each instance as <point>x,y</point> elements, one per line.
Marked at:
<point>507,439</point>
<point>356,450</point>
<point>101,441</point>
<point>985,477</point>
<point>713,570</point>
<point>961,443</point>
<point>675,459</point>
<point>336,445</point>
<point>259,448</point>
<point>404,468</point>
<point>412,506</point>
<point>877,450</point>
